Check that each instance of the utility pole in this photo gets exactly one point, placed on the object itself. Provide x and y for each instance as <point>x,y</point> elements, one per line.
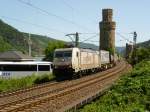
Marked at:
<point>29,43</point>
<point>77,39</point>
<point>134,37</point>
<point>76,35</point>
<point>134,46</point>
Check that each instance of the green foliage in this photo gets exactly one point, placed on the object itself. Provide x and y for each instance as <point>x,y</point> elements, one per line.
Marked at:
<point>139,55</point>
<point>4,45</point>
<point>145,44</point>
<point>142,54</point>
<point>11,38</point>
<point>43,78</point>
<point>52,45</point>
<point>14,84</point>
<point>39,43</point>
<point>130,94</point>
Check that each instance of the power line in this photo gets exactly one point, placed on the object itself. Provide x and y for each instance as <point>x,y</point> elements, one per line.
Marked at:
<point>44,27</point>
<point>124,37</point>
<point>85,33</point>
<point>79,12</point>
<point>33,24</point>
<point>93,41</point>
<point>89,33</point>
<point>51,14</point>
<point>68,5</point>
<point>90,38</point>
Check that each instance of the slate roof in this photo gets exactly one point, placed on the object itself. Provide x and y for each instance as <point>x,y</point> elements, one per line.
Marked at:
<point>14,56</point>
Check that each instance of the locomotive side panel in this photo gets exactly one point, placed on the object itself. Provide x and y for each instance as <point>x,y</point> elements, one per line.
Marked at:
<point>86,60</point>
<point>89,59</point>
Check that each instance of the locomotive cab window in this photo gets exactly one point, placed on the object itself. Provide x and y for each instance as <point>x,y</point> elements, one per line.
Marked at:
<point>58,54</point>
<point>62,54</point>
<point>68,54</point>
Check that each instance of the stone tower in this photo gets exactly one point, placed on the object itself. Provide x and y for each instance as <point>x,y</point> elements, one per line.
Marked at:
<point>107,31</point>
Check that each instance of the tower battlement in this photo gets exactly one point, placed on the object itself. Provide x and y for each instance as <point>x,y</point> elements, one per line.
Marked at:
<point>107,31</point>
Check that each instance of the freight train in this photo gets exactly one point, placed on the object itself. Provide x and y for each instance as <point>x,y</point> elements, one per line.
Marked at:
<point>75,62</point>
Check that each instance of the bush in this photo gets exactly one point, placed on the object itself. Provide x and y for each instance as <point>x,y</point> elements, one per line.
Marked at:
<point>43,78</point>
<point>139,55</point>
<point>130,94</point>
<point>14,84</point>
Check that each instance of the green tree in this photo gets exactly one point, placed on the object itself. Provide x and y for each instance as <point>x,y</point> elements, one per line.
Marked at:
<point>4,45</point>
<point>142,54</point>
<point>139,55</point>
<point>52,45</point>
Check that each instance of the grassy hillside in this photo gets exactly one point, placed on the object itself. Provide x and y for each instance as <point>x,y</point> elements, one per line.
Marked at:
<point>145,44</point>
<point>4,45</point>
<point>12,39</point>
<point>39,43</point>
<point>130,94</point>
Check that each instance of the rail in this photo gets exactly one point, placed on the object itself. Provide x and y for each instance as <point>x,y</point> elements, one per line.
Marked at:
<point>40,99</point>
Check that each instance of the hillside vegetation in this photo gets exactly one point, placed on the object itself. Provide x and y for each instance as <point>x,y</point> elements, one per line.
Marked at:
<point>145,44</point>
<point>12,39</point>
<point>130,94</point>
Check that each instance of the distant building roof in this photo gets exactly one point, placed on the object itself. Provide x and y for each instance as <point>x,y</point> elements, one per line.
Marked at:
<point>14,56</point>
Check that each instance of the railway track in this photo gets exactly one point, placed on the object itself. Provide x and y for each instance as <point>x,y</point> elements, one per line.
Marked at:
<point>8,93</point>
<point>36,100</point>
<point>21,95</point>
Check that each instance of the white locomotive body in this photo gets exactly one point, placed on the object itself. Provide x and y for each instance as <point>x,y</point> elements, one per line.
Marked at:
<point>75,61</point>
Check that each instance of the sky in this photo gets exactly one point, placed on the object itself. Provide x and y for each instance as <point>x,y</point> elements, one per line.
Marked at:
<point>56,18</point>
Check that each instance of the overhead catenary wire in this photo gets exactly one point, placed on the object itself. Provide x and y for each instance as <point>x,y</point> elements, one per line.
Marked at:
<point>92,41</point>
<point>123,37</point>
<point>75,10</point>
<point>44,27</point>
<point>88,33</point>
<point>90,38</point>
<point>54,15</point>
<point>67,4</point>
<point>33,24</point>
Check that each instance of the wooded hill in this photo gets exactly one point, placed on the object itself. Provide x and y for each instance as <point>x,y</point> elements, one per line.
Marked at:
<point>12,39</point>
<point>145,44</point>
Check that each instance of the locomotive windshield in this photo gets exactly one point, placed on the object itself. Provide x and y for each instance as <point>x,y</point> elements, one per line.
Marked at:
<point>62,54</point>
<point>68,54</point>
<point>58,54</point>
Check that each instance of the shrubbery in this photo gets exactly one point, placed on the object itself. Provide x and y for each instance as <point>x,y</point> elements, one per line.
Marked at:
<point>14,84</point>
<point>52,45</point>
<point>43,79</point>
<point>130,94</point>
<point>139,55</point>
